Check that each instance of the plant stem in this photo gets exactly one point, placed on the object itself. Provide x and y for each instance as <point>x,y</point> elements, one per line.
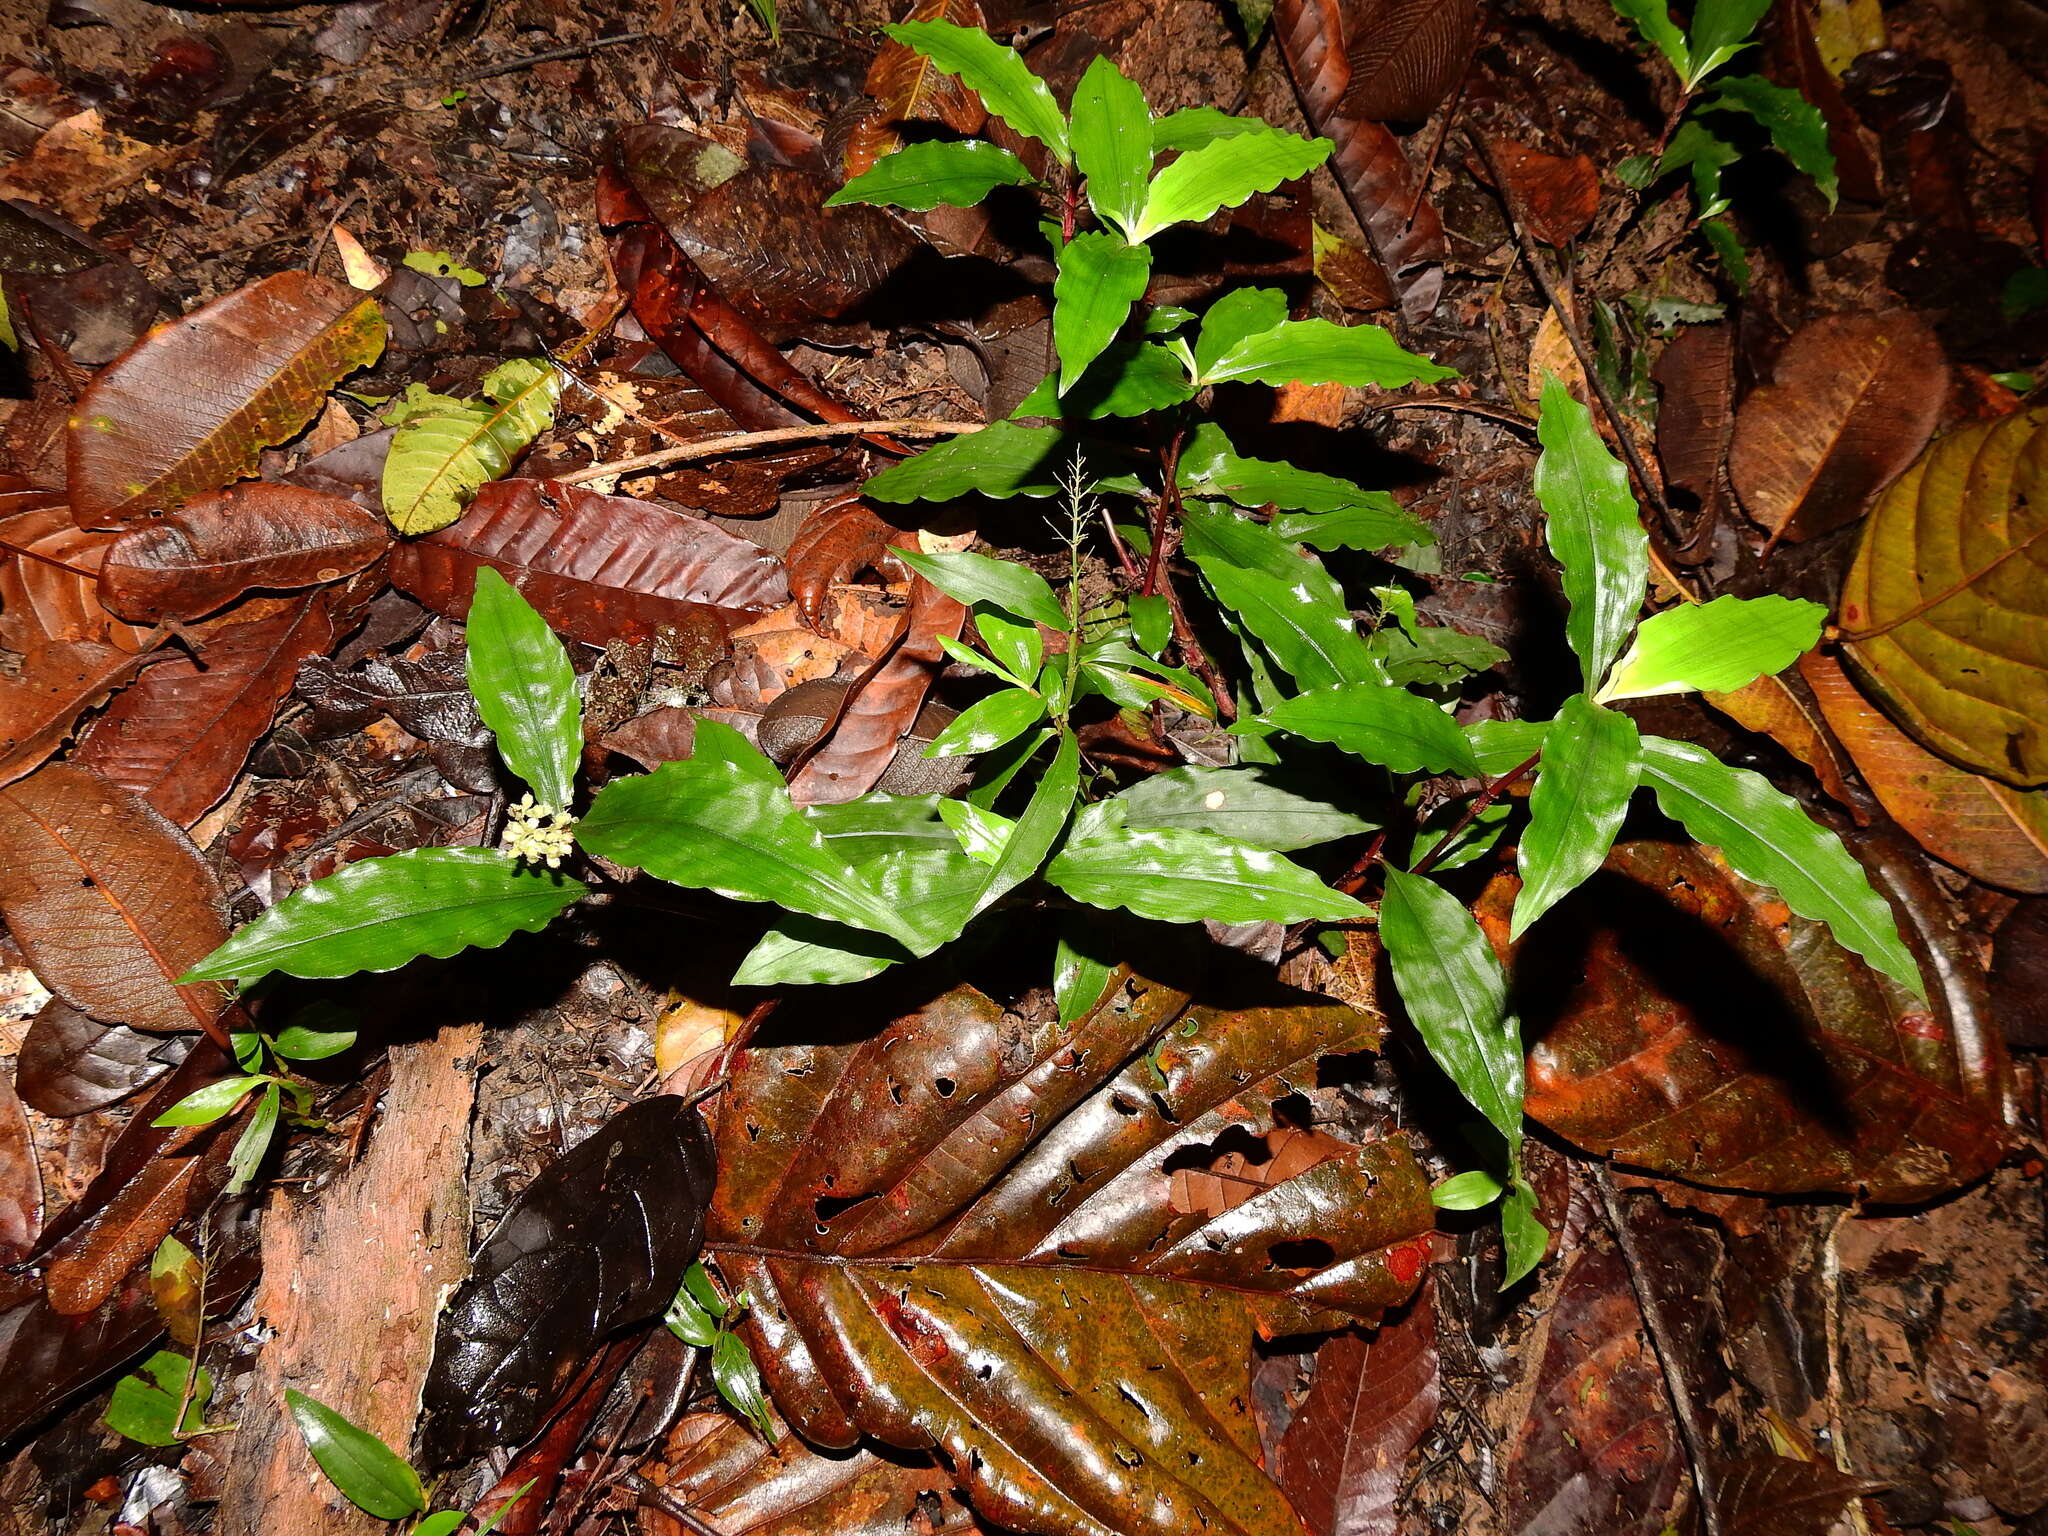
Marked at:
<point>1169,501</point>
<point>1486,796</point>
<point>739,442</point>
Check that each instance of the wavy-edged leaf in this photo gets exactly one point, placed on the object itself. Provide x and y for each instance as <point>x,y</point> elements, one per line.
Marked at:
<point>1591,761</point>
<point>1715,647</point>
<point>989,723</point>
<point>1698,149</point>
<point>1177,875</point>
<point>1378,722</point>
<point>1594,530</point>
<point>996,74</point>
<point>1194,127</point>
<point>1112,135</point>
<point>1006,1279</point>
<point>439,459</point>
<point>1720,29</point>
<point>1291,604</point>
<point>378,914</point>
<point>908,87</point>
<point>525,689</point>
<point>924,176</point>
<point>1133,376</point>
<point>190,407</point>
<point>369,1474</point>
<point>1002,459</point>
<point>1100,278</point>
<point>1322,352</point>
<point>1406,56</point>
<point>1259,807</point>
<point>1766,837</point>
<point>970,578</point>
<point>1795,125</point>
<point>1239,313</point>
<point>1364,519</point>
<point>1222,174</point>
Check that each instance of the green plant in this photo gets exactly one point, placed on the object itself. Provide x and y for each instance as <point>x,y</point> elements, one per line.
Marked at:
<point>700,1315</point>
<point>1720,30</point>
<point>375,1478</point>
<point>164,1402</point>
<point>1117,432</point>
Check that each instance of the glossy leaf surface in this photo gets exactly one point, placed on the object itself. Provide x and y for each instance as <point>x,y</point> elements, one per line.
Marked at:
<point>1378,722</point>
<point>1224,173</point>
<point>1112,137</point>
<point>1715,647</point>
<point>1319,352</point>
<point>1590,519</point>
<point>372,1476</point>
<point>924,176</point>
<point>1591,759</point>
<point>525,689</point>
<point>1100,278</point>
<point>1004,82</point>
<point>441,457</point>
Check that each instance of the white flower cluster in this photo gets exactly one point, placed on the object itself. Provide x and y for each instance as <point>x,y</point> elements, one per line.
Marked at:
<point>538,833</point>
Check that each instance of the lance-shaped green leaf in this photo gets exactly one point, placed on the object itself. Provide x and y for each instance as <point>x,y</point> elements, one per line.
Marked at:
<point>1130,378</point>
<point>1523,1236</point>
<point>1376,721</point>
<point>1224,173</point>
<point>1290,604</point>
<point>525,689</point>
<point>988,723</point>
<point>1178,876</point>
<point>1100,278</point>
<point>1453,988</point>
<point>1210,465</point>
<point>1720,30</point>
<point>1259,807</point>
<point>1715,647</point>
<point>1239,313</point>
<point>1795,125</point>
<point>1766,837</point>
<point>1591,759</point>
<point>1593,528</point>
<point>440,457</point>
<point>377,914</point>
<point>1501,746</point>
<point>993,72</point>
<point>714,826</point>
<point>1319,352</point>
<point>970,578</point>
<point>1193,127</point>
<point>922,176</point>
<point>1002,459</point>
<point>1111,129</point>
<point>369,1474</point>
<point>1081,969</point>
<point>1706,154</point>
<point>1652,21</point>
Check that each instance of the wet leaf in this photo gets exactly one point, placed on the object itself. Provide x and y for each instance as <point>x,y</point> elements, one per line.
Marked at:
<point>598,568</point>
<point>910,88</point>
<point>926,176</point>
<point>216,548</point>
<point>1950,573</point>
<point>1341,511</point>
<point>71,1063</point>
<point>1292,605</point>
<point>1204,181</point>
<point>1321,352</point>
<point>1557,194</point>
<point>1002,80</point>
<point>370,1475</point>
<point>1100,278</point>
<point>1591,523</point>
<point>1010,1188</point>
<point>440,458</point>
<point>1260,807</point>
<point>1591,759</point>
<point>144,438</point>
<point>1853,399</point>
<point>1003,459</point>
<point>1376,721</point>
<point>525,689</point>
<point>109,900</point>
<point>598,1242</point>
<point>834,543</point>
<point>1777,1496</point>
<point>1715,647</point>
<point>970,578</point>
<point>1112,136</point>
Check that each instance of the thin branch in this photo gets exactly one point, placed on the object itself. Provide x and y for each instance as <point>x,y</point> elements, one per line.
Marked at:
<point>29,554</point>
<point>1480,802</point>
<point>740,442</point>
<point>1500,413</point>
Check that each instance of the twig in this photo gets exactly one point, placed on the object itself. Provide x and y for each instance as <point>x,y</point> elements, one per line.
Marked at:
<point>29,554</point>
<point>1665,1342</point>
<point>553,55</point>
<point>1480,802</point>
<point>1500,413</point>
<point>739,442</point>
<point>1436,147</point>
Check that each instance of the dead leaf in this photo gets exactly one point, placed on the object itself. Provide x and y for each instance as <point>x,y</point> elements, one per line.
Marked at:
<point>43,602</point>
<point>1557,194</point>
<point>1695,376</point>
<point>832,545</point>
<point>56,684</point>
<point>1777,1496</point>
<point>1406,56</point>
<point>71,1064</point>
<point>1770,707</point>
<point>907,87</point>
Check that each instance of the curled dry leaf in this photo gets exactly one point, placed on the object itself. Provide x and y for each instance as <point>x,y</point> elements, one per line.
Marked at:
<point>1557,194</point>
<point>71,1064</point>
<point>1778,1496</point>
<point>1853,399</point>
<point>56,684</point>
<point>21,1178</point>
<point>958,1235</point>
<point>1990,831</point>
<point>1943,607</point>
<point>1771,707</point>
<point>108,899</point>
<point>191,406</point>
<point>1404,229</point>
<point>41,602</point>
<point>598,568</point>
<point>1406,56</point>
<point>832,545</point>
<point>908,87</point>
<point>216,548</point>
<point>1684,1021</point>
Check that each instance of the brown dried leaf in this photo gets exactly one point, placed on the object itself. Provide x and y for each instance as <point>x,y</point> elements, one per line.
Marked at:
<point>1695,376</point>
<point>1240,1172</point>
<point>831,546</point>
<point>1406,56</point>
<point>908,87</point>
<point>42,603</point>
<point>1854,398</point>
<point>669,734</point>
<point>56,685</point>
<point>1777,1496</point>
<point>109,900</point>
<point>71,1063</point>
<point>1770,707</point>
<point>190,408</point>
<point>216,548</point>
<point>21,1178</point>
<point>1557,194</point>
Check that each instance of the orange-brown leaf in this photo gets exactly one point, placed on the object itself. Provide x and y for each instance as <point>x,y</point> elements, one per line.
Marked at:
<point>910,88</point>
<point>1406,56</point>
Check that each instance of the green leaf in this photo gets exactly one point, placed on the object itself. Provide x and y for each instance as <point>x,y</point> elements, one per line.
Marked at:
<point>1151,623</point>
<point>1319,352</point>
<point>1291,605</point>
<point>377,914</point>
<point>247,1157</point>
<point>1372,524</point>
<point>215,1101</point>
<point>438,459</point>
<point>1469,1191</point>
<point>1197,127</point>
<point>444,1522</point>
<point>1002,459</point>
<point>1501,746</point>
<point>525,689</point>
<point>1240,313</point>
<point>299,1042</point>
<point>1589,769</point>
<point>690,1320</point>
<point>1175,876</point>
<point>987,723</point>
<point>144,1407</point>
<point>1524,1237</point>
<point>1131,378</point>
<point>1795,125</point>
<point>2025,292</point>
<point>1112,138</point>
<point>1766,837</point>
<point>982,834</point>
<point>1652,20</point>
<point>1477,838</point>
<point>1080,973</point>
<point>739,1383</point>
<point>1593,528</point>
<point>1378,722</point>
<point>1015,645</point>
<point>710,826</point>
<point>993,72</point>
<point>369,1474</point>
<point>1432,654</point>
<point>526,1487</point>
<point>1224,173</point>
<point>1727,243</point>
<point>923,176</point>
<point>1253,806</point>
<point>1453,988</point>
<point>1210,465</point>
<point>1715,647</point>
<point>1707,154</point>
<point>1002,584</point>
<point>1720,30</point>
<point>1100,278</point>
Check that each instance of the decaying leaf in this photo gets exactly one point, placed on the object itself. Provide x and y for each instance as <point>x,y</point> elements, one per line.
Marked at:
<point>1853,399</point>
<point>52,592</point>
<point>1943,607</point>
<point>835,541</point>
<point>71,1063</point>
<point>958,1235</point>
<point>1778,1496</point>
<point>21,1178</point>
<point>908,87</point>
<point>1406,56</point>
<point>192,405</point>
<point>598,1242</point>
<point>1557,194</point>
<point>1695,376</point>
<point>108,899</point>
<point>57,684</point>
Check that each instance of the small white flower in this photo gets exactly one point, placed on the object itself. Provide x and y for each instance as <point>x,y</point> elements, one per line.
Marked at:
<point>538,833</point>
